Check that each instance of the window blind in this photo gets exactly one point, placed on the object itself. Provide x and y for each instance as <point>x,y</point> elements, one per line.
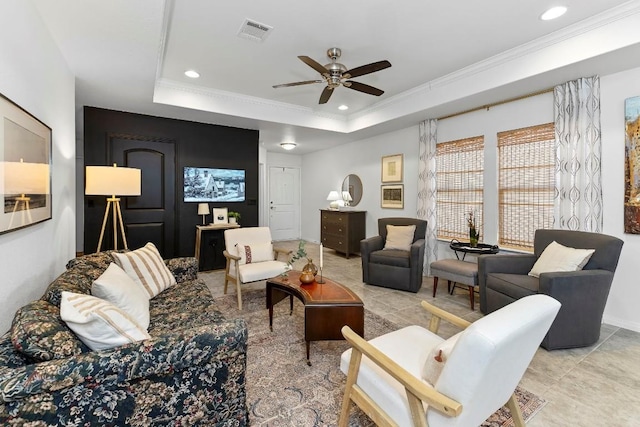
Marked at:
<point>525,184</point>
<point>459,178</point>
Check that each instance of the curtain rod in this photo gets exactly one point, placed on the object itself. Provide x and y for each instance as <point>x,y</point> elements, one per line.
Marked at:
<point>487,106</point>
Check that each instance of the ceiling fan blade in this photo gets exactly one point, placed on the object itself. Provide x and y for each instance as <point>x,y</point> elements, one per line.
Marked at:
<point>306,82</point>
<point>326,94</point>
<point>366,69</point>
<point>315,65</point>
<point>361,87</point>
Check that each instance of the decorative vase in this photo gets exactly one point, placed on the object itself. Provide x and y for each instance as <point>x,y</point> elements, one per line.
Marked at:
<point>309,272</point>
<point>232,220</point>
<point>473,237</point>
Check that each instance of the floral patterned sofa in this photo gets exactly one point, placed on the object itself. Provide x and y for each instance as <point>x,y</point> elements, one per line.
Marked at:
<point>191,372</point>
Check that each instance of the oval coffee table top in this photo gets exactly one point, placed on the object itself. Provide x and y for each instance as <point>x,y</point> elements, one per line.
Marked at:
<point>329,292</point>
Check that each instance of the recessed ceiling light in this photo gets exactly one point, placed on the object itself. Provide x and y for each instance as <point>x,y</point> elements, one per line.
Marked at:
<point>553,13</point>
<point>288,145</point>
<point>343,107</point>
<point>192,74</point>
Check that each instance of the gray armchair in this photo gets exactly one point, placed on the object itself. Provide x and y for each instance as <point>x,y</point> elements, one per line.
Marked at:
<point>393,268</point>
<point>583,294</point>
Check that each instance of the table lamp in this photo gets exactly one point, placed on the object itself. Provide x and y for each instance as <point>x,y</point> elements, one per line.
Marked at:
<point>333,197</point>
<point>112,181</point>
<point>203,209</point>
<point>346,196</point>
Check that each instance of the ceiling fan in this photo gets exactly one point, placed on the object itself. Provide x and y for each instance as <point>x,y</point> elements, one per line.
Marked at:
<point>336,74</point>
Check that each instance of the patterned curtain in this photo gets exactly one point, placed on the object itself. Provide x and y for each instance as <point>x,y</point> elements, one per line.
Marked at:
<point>427,189</point>
<point>578,189</point>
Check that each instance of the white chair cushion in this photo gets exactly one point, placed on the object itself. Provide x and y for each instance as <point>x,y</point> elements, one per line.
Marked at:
<point>399,237</point>
<point>146,267</point>
<point>115,286</point>
<point>409,347</point>
<point>261,270</point>
<point>254,252</point>
<point>98,323</point>
<point>557,257</point>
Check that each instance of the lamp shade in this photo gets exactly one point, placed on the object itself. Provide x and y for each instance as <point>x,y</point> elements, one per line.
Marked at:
<point>203,209</point>
<point>26,178</point>
<point>112,180</point>
<point>333,195</point>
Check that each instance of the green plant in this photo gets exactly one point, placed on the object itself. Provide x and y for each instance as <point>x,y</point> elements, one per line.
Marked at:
<point>235,215</point>
<point>301,253</point>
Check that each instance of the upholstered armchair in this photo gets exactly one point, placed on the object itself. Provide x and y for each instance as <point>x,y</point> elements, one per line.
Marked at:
<point>394,266</point>
<point>503,279</point>
<point>251,257</point>
<point>412,377</point>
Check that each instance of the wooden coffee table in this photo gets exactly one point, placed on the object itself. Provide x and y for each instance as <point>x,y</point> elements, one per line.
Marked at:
<point>327,307</point>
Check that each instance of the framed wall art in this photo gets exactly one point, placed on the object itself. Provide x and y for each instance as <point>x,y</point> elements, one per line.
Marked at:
<point>25,168</point>
<point>220,216</point>
<point>392,168</point>
<point>392,196</point>
<point>632,165</point>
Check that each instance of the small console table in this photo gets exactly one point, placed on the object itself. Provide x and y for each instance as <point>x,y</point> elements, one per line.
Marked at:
<point>465,248</point>
<point>210,255</point>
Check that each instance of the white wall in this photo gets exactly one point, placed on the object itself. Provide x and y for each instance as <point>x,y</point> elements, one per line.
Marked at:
<point>323,171</point>
<point>34,75</point>
<point>622,305</point>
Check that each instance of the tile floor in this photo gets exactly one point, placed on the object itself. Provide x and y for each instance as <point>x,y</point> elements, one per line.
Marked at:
<point>590,387</point>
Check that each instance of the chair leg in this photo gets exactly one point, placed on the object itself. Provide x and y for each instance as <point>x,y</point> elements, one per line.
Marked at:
<point>352,376</point>
<point>471,299</point>
<point>514,408</point>
<point>239,294</point>
<point>435,285</point>
<point>450,288</point>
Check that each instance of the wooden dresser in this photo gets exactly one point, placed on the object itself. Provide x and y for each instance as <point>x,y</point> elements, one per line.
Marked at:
<point>342,230</point>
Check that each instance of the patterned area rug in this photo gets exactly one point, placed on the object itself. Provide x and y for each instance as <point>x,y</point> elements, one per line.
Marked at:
<point>283,391</point>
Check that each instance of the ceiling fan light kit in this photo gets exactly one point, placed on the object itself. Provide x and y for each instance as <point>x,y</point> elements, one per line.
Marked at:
<point>335,74</point>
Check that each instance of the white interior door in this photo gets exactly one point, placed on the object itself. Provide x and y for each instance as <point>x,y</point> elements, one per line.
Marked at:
<point>284,203</point>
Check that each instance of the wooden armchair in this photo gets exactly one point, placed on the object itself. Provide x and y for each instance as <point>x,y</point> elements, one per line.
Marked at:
<point>477,374</point>
<point>251,257</point>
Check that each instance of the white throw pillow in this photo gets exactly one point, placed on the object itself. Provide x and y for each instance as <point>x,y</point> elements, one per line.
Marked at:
<point>254,252</point>
<point>434,364</point>
<point>98,323</point>
<point>557,257</point>
<point>146,267</point>
<point>115,286</point>
<point>399,237</point>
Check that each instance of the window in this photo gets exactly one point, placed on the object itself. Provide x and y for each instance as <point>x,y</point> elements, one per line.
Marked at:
<point>460,166</point>
<point>525,184</point>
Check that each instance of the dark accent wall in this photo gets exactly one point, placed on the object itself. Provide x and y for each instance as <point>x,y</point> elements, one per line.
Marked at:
<point>196,144</point>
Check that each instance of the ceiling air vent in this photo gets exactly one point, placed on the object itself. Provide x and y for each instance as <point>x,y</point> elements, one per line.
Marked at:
<point>254,31</point>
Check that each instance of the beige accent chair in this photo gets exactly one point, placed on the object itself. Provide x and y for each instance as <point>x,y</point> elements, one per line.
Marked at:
<point>242,267</point>
<point>479,375</point>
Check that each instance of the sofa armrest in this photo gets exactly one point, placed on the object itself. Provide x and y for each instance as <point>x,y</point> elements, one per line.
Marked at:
<point>159,356</point>
<point>183,269</point>
<point>367,246</point>
<point>583,295</point>
<point>509,264</point>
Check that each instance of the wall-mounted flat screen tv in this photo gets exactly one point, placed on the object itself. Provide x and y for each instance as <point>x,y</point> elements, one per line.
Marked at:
<point>213,185</point>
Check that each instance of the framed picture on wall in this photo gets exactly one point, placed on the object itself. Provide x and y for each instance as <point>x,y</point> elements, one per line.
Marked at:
<point>220,216</point>
<point>392,168</point>
<point>392,196</point>
<point>25,168</point>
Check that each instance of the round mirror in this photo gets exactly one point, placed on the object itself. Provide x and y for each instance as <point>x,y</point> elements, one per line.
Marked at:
<point>352,189</point>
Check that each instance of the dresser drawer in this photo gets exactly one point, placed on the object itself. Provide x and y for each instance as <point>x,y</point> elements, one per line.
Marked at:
<point>334,228</point>
<point>339,243</point>
<point>333,218</point>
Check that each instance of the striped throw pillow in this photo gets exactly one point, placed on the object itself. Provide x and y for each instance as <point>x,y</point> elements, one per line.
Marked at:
<point>98,323</point>
<point>146,267</point>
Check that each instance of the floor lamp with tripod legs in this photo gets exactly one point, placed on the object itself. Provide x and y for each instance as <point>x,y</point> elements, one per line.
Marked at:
<point>112,181</point>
